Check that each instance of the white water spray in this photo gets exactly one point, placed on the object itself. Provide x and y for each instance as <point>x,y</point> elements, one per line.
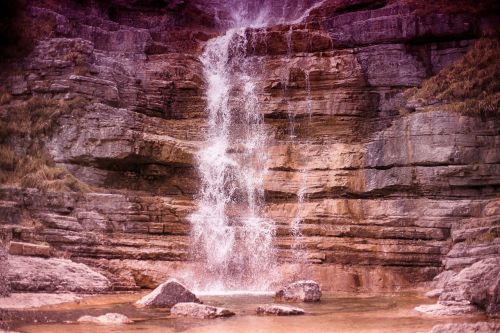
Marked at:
<point>232,237</point>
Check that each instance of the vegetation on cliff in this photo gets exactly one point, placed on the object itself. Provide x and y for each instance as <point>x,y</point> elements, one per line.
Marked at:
<point>469,86</point>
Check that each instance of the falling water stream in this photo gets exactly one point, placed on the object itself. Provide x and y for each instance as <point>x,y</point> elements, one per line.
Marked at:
<point>232,236</point>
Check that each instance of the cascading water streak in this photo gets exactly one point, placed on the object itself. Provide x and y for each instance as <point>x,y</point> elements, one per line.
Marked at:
<point>232,237</point>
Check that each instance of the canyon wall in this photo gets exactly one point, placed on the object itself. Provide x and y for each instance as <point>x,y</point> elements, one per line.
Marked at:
<point>387,194</point>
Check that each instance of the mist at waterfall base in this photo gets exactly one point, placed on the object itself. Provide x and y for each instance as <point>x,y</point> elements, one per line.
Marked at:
<point>232,238</point>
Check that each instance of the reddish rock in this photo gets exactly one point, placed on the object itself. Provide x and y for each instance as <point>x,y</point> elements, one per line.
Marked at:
<point>166,295</point>
<point>279,310</point>
<point>300,291</point>
<point>195,310</point>
<point>106,319</point>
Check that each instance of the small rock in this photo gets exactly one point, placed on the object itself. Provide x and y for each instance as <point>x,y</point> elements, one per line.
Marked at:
<point>196,310</point>
<point>305,291</point>
<point>279,310</point>
<point>446,310</point>
<point>107,319</point>
<point>168,294</point>
<point>480,327</point>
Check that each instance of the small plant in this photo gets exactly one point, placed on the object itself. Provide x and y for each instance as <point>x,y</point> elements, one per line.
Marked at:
<point>36,171</point>
<point>32,166</point>
<point>470,85</point>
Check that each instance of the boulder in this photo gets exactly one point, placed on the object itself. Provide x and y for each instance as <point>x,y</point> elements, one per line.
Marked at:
<point>279,310</point>
<point>438,283</point>
<point>168,294</point>
<point>473,288</point>
<point>480,327</point>
<point>107,319</point>
<point>196,310</point>
<point>305,291</point>
<point>479,284</point>
<point>33,274</point>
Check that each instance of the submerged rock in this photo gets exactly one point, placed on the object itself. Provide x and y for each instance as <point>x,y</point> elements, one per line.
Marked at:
<point>168,294</point>
<point>107,319</point>
<point>279,310</point>
<point>454,309</point>
<point>480,327</point>
<point>305,291</point>
<point>196,310</point>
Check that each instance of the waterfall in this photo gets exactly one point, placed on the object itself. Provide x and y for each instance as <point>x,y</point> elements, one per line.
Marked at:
<point>232,237</point>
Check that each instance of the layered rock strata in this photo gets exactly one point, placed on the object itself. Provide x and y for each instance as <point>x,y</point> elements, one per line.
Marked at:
<point>390,197</point>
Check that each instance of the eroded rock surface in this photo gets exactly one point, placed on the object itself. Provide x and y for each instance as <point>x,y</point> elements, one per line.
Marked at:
<point>4,266</point>
<point>391,196</point>
<point>106,319</point>
<point>56,275</point>
<point>475,287</point>
<point>480,327</point>
<point>279,310</point>
<point>195,310</point>
<point>300,291</point>
<point>167,294</point>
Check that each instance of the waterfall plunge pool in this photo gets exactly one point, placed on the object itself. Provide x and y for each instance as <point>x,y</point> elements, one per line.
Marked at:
<point>339,313</point>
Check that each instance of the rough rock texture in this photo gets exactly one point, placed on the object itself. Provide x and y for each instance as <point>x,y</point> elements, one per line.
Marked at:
<point>167,294</point>
<point>391,197</point>
<point>196,310</point>
<point>477,286</point>
<point>480,327</point>
<point>304,291</point>
<point>57,275</point>
<point>4,284</point>
<point>23,301</point>
<point>279,310</point>
<point>106,319</point>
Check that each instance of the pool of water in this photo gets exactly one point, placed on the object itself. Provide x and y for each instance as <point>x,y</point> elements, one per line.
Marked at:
<point>335,313</point>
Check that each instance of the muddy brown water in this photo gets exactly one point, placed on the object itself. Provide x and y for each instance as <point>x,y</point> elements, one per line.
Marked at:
<point>376,313</point>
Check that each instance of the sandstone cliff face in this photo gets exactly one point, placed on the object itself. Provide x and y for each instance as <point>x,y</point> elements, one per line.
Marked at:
<point>390,197</point>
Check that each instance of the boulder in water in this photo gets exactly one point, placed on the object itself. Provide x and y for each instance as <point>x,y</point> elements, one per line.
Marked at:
<point>300,291</point>
<point>279,310</point>
<point>196,310</point>
<point>107,319</point>
<point>167,294</point>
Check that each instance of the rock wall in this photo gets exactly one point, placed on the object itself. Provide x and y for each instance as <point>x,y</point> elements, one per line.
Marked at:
<point>390,197</point>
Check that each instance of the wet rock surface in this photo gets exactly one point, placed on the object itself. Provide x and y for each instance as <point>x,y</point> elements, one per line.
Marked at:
<point>55,275</point>
<point>480,327</point>
<point>300,291</point>
<point>391,197</point>
<point>167,294</point>
<point>279,310</point>
<point>195,310</point>
<point>106,319</point>
<point>473,288</point>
